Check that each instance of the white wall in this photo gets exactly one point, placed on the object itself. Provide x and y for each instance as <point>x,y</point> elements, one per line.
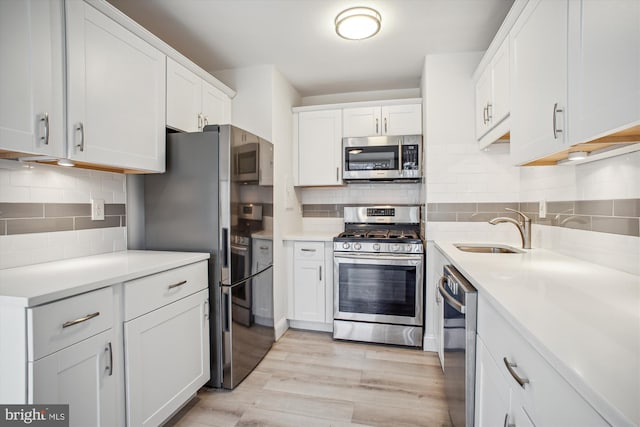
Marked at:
<point>456,170</point>
<point>377,95</point>
<point>55,184</point>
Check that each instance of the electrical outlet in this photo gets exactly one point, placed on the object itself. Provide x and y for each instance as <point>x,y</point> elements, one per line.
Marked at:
<point>97,209</point>
<point>542,209</point>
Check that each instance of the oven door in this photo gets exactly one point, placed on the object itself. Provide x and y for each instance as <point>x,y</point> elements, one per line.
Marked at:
<point>380,288</point>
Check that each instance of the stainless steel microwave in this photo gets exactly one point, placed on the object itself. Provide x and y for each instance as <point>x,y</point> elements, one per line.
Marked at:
<point>384,158</point>
<point>246,162</point>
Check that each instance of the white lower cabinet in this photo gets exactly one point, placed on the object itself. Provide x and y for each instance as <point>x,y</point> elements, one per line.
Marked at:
<point>311,290</point>
<point>73,357</point>
<point>544,398</point>
<point>166,359</point>
<point>82,376</point>
<point>262,286</point>
<point>166,342</point>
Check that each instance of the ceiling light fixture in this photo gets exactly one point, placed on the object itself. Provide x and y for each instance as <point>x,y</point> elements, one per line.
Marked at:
<point>577,155</point>
<point>358,23</point>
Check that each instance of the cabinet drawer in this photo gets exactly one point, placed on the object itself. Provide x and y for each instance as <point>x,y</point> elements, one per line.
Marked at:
<point>54,326</point>
<point>547,397</point>
<point>262,251</point>
<point>151,292</point>
<point>309,250</point>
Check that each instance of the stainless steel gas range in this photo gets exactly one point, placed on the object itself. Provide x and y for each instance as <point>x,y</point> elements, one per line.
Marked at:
<point>378,276</point>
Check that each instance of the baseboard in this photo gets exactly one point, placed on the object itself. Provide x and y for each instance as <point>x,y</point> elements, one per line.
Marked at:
<point>429,343</point>
<point>311,326</point>
<point>281,327</point>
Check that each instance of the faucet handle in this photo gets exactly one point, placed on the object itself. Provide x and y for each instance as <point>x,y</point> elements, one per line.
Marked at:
<point>524,217</point>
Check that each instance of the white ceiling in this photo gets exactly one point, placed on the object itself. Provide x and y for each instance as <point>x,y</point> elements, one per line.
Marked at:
<point>298,37</point>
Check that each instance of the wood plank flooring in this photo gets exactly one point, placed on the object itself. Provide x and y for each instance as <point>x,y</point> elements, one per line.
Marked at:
<point>309,380</point>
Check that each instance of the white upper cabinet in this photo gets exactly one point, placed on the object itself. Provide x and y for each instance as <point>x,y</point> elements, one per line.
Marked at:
<point>539,80</point>
<point>492,98</point>
<point>116,93</point>
<point>193,103</point>
<point>382,120</point>
<point>32,77</point>
<point>604,68</point>
<point>319,146</point>
<point>575,77</point>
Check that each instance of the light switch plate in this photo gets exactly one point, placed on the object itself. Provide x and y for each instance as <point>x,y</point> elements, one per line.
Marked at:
<point>97,209</point>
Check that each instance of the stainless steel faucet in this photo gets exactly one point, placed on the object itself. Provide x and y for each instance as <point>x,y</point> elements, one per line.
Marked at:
<point>524,227</point>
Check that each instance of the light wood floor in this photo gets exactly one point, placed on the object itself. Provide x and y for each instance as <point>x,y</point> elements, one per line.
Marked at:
<point>309,380</point>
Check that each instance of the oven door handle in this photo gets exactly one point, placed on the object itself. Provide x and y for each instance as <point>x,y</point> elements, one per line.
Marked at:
<point>237,249</point>
<point>454,303</point>
<point>398,257</point>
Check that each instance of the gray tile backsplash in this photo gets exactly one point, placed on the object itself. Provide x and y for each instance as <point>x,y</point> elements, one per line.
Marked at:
<point>605,216</point>
<point>26,218</point>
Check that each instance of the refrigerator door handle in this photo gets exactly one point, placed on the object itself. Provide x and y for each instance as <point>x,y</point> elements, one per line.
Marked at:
<point>227,310</point>
<point>225,245</point>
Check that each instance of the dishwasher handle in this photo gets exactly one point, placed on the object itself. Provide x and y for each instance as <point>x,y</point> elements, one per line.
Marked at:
<point>454,303</point>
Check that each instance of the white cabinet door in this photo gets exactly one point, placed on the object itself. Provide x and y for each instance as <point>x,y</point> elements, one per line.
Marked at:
<point>483,100</point>
<point>604,67</point>
<point>262,295</point>
<point>539,80</point>
<point>500,103</point>
<point>492,391</point>
<point>32,77</point>
<point>308,291</point>
<point>166,359</point>
<point>184,98</point>
<point>319,146</point>
<point>401,119</point>
<point>361,121</point>
<point>82,376</point>
<point>116,93</point>
<point>216,106</point>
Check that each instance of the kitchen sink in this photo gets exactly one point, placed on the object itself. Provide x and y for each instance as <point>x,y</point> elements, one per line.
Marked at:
<point>487,248</point>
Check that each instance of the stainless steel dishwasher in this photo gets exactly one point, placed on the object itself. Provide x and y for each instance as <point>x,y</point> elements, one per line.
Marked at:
<point>459,335</point>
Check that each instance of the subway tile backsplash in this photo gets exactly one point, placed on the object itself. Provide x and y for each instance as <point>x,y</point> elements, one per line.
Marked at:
<point>605,216</point>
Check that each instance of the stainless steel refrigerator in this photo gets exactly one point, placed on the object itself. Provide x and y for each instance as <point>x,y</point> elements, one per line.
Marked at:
<point>217,191</point>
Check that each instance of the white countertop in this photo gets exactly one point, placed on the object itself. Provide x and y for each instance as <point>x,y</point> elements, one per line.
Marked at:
<point>584,319</point>
<point>264,234</point>
<point>41,283</point>
<point>323,236</point>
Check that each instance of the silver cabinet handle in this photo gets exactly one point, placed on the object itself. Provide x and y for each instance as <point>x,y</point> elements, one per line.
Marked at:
<point>556,110</point>
<point>320,273</point>
<point>385,125</point>
<point>206,310</point>
<point>521,381</point>
<point>337,174</point>
<point>489,108</point>
<point>484,115</point>
<point>377,132</point>
<point>307,250</point>
<point>206,121</point>
<point>175,285</point>
<point>109,367</point>
<point>264,248</point>
<point>80,319</point>
<point>80,128</point>
<point>45,119</point>
<point>506,421</point>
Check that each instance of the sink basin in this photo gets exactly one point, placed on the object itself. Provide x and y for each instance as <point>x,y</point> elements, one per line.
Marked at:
<point>487,248</point>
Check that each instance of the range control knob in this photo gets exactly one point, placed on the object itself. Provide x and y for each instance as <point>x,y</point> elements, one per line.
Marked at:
<point>346,245</point>
<point>357,246</point>
<point>376,246</point>
<point>395,248</point>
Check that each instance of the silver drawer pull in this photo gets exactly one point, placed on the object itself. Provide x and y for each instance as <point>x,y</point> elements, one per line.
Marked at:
<point>307,250</point>
<point>518,378</point>
<point>81,319</point>
<point>264,248</point>
<point>175,285</point>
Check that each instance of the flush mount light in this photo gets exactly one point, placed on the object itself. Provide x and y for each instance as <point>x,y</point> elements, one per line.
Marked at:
<point>577,155</point>
<point>358,23</point>
<point>66,162</point>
